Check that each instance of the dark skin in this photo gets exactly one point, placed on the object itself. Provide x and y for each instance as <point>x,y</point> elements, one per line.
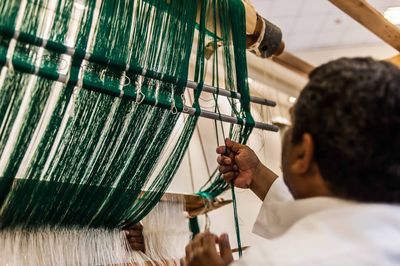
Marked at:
<point>239,163</point>
<point>135,237</point>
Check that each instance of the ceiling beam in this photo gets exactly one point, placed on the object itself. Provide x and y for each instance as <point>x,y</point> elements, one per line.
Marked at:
<point>294,63</point>
<point>395,60</point>
<point>372,19</point>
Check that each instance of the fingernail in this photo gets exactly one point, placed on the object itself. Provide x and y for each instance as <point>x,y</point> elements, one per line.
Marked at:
<point>227,161</point>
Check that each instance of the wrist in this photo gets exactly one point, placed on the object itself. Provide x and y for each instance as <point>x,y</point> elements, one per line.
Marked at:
<point>262,180</point>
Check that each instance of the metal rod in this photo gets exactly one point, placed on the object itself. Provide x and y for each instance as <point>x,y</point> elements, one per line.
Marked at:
<point>207,88</point>
<point>187,110</point>
<point>54,46</point>
<point>226,118</point>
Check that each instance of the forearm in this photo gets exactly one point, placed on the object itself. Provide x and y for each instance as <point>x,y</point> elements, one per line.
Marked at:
<point>262,181</point>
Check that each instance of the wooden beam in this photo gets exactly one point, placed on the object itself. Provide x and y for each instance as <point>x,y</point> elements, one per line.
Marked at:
<point>196,205</point>
<point>251,18</point>
<point>395,60</point>
<point>369,17</point>
<point>294,63</point>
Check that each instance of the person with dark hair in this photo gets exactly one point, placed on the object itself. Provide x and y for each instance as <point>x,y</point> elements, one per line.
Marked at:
<point>338,201</point>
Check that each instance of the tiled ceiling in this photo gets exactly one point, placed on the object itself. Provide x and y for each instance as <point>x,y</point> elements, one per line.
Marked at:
<point>314,24</point>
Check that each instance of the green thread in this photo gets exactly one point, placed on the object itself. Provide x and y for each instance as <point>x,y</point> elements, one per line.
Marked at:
<point>99,149</point>
<point>231,18</point>
<point>89,168</point>
<point>236,218</point>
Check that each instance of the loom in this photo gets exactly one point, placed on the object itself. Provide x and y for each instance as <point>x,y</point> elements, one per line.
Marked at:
<point>91,93</point>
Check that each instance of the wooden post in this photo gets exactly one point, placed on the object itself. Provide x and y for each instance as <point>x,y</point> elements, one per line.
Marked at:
<point>369,17</point>
<point>395,60</point>
<point>294,63</point>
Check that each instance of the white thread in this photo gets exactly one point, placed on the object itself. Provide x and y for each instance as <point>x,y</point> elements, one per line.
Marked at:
<point>102,75</point>
<point>139,94</point>
<point>64,246</point>
<point>254,47</point>
<point>185,107</point>
<point>129,81</point>
<point>157,90</point>
<point>166,231</point>
<point>173,110</point>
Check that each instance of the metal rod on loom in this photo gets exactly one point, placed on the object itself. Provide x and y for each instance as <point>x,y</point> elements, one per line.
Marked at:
<point>186,110</point>
<point>54,47</point>
<point>227,118</point>
<point>207,88</point>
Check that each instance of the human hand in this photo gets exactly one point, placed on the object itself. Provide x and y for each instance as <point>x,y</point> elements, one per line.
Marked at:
<point>135,238</point>
<point>239,163</point>
<point>202,251</point>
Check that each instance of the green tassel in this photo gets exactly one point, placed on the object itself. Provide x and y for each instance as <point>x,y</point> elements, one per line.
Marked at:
<point>194,226</point>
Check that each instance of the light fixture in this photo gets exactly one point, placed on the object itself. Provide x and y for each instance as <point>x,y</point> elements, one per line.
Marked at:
<point>292,99</point>
<point>393,15</point>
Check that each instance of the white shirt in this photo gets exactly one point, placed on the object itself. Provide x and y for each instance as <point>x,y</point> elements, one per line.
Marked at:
<point>324,231</point>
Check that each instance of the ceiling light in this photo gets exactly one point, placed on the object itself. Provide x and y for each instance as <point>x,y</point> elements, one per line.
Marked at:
<point>292,99</point>
<point>393,15</point>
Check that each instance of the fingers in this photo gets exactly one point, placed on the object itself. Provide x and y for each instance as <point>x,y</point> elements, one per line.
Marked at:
<point>228,177</point>
<point>197,242</point>
<point>224,160</point>
<point>182,262</point>
<point>231,149</point>
<point>242,182</point>
<point>208,241</point>
<point>137,226</point>
<point>225,249</point>
<point>221,150</point>
<point>203,243</point>
<point>200,241</point>
<point>137,247</point>
<point>202,251</point>
<point>136,243</point>
<point>136,239</point>
<point>134,230</point>
<point>132,233</point>
<point>226,169</point>
<point>234,146</point>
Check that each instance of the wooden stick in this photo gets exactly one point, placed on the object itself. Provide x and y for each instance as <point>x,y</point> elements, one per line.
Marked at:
<point>251,18</point>
<point>196,205</point>
<point>236,249</point>
<point>293,63</point>
<point>369,17</point>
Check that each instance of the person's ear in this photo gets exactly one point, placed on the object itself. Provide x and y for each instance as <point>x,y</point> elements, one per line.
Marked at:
<point>302,155</point>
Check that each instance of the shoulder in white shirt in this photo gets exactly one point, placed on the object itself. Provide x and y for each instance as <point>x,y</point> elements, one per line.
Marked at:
<point>324,231</point>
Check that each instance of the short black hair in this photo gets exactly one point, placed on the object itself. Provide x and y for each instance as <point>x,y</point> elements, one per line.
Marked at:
<point>351,107</point>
